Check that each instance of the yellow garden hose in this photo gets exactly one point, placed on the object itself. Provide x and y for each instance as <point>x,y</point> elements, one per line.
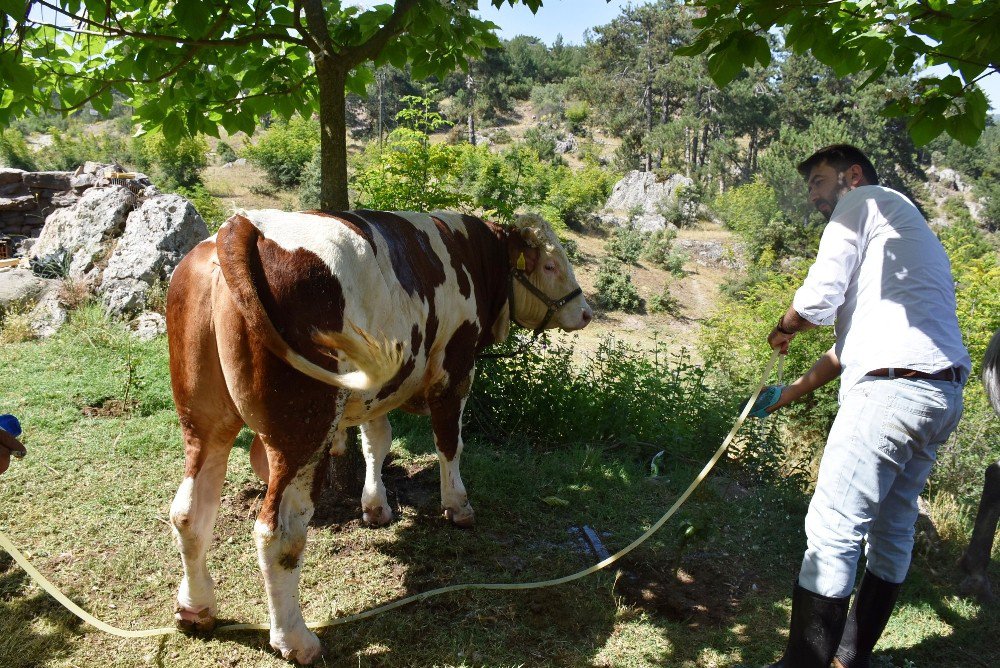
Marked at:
<point>124,633</point>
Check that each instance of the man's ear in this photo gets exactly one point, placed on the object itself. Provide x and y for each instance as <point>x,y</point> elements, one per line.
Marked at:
<point>855,176</point>
<point>521,255</point>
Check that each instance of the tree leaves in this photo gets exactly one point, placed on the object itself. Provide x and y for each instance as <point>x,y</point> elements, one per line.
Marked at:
<point>852,36</point>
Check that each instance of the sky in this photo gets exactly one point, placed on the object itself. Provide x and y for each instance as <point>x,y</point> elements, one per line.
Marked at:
<point>570,18</point>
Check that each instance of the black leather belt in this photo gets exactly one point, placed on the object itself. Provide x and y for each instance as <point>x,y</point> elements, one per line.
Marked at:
<point>954,374</point>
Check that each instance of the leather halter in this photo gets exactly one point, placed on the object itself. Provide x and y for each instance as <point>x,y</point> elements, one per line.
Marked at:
<point>553,305</point>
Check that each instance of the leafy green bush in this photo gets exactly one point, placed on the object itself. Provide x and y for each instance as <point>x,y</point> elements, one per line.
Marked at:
<point>682,210</point>
<point>542,141</point>
<point>615,289</point>
<point>225,152</point>
<point>14,151</point>
<point>577,113</point>
<point>734,341</point>
<point>549,100</point>
<point>70,150</point>
<point>209,207</point>
<point>625,244</point>
<point>659,250</point>
<point>171,164</point>
<point>575,194</point>
<point>284,150</point>
<point>501,136</point>
<point>664,302</point>
<point>619,395</point>
<point>752,212</point>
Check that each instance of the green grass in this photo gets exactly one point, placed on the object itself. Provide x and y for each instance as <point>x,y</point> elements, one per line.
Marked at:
<point>89,506</point>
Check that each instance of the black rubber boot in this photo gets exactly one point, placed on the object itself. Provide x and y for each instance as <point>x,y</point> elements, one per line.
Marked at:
<point>813,635</point>
<point>869,614</point>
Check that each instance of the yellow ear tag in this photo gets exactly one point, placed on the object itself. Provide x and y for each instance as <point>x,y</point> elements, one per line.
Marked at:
<point>521,264</point>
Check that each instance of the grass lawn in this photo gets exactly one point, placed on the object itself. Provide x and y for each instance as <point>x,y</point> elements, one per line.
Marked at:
<point>89,506</point>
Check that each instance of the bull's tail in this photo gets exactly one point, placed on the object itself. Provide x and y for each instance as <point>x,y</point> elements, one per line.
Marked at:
<point>991,371</point>
<point>376,361</point>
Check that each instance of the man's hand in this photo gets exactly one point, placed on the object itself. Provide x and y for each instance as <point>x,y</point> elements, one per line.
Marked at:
<point>9,446</point>
<point>779,340</point>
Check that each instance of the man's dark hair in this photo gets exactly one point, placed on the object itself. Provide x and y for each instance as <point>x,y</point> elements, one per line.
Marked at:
<point>840,157</point>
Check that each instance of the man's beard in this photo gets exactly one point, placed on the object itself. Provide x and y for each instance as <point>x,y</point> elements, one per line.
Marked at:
<point>841,190</point>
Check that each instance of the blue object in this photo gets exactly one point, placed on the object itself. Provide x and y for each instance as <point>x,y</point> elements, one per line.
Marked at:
<point>10,424</point>
<point>767,398</point>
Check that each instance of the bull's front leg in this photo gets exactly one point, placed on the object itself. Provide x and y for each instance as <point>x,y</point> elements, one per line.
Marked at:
<point>977,556</point>
<point>376,440</point>
<point>280,534</point>
<point>446,420</point>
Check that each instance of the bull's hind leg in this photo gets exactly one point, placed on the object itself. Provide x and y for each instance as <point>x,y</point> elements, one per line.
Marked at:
<point>376,440</point>
<point>192,515</point>
<point>296,471</point>
<point>209,424</point>
<point>976,559</point>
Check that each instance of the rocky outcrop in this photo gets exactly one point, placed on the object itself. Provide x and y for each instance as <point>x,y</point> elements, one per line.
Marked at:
<point>157,236</point>
<point>640,197</point>
<point>86,230</point>
<point>21,287</point>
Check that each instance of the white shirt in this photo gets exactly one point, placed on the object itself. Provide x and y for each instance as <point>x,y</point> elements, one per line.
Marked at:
<point>884,277</point>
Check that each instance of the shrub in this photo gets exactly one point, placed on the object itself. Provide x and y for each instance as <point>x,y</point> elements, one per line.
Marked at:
<point>542,141</point>
<point>575,194</point>
<point>70,150</point>
<point>577,113</point>
<point>615,289</point>
<point>664,302</point>
<point>284,150</point>
<point>209,207</point>
<point>619,395</point>
<point>682,209</point>
<point>15,326</point>
<point>659,250</point>
<point>500,136</point>
<point>752,212</point>
<point>625,244</point>
<point>171,164</point>
<point>14,151</point>
<point>225,152</point>
<point>549,100</point>
<point>311,184</point>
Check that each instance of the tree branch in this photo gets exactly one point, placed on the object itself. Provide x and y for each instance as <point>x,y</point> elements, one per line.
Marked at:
<point>107,30</point>
<point>370,49</point>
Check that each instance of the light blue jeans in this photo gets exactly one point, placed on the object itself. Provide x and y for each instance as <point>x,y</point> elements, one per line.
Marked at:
<point>878,456</point>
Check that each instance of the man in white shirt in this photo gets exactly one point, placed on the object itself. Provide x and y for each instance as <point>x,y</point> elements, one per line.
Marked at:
<point>882,278</point>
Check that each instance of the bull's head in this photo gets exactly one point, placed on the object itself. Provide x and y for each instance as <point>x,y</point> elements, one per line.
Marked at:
<point>545,293</point>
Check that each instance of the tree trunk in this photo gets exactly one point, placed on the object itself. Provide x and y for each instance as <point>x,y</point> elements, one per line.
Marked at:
<point>470,84</point>
<point>333,135</point>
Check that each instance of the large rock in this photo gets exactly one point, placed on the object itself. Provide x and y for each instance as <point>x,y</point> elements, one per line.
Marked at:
<point>641,191</point>
<point>157,236</point>
<point>85,230</point>
<point>48,315</point>
<point>11,175</point>
<point>48,180</point>
<point>20,286</point>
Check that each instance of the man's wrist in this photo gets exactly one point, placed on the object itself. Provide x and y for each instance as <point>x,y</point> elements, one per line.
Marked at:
<point>780,327</point>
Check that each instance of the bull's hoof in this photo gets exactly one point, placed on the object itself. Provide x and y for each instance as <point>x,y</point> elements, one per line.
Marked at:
<point>376,516</point>
<point>194,621</point>
<point>463,517</point>
<point>978,586</point>
<point>303,648</point>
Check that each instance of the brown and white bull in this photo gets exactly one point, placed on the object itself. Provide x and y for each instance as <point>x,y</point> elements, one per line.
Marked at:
<point>300,325</point>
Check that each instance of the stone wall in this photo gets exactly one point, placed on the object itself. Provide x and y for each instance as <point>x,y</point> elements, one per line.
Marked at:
<point>27,198</point>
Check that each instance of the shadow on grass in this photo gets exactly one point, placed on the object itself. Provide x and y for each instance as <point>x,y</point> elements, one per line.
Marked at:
<point>22,644</point>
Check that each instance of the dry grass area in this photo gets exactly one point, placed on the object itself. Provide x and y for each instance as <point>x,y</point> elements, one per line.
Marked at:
<point>246,187</point>
<point>697,293</point>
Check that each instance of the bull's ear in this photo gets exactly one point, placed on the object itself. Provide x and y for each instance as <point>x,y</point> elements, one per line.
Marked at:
<point>522,255</point>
